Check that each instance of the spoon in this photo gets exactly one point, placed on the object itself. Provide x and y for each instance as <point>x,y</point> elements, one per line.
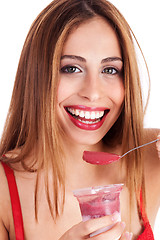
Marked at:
<point>102,158</point>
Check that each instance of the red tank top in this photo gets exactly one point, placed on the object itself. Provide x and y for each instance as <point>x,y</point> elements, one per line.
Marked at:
<point>15,202</point>
<point>147,233</point>
<point>17,213</point>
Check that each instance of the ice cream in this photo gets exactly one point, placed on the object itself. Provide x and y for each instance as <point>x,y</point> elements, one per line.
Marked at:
<point>100,158</point>
<point>99,201</point>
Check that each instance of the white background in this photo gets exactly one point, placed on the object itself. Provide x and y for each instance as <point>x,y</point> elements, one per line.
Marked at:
<point>17,16</point>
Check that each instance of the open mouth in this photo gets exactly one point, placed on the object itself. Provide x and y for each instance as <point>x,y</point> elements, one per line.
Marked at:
<point>87,118</point>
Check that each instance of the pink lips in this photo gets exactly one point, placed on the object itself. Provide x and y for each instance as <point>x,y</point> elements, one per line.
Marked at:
<point>100,158</point>
<point>83,125</point>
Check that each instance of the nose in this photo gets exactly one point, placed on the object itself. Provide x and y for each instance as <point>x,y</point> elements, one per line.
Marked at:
<point>91,88</point>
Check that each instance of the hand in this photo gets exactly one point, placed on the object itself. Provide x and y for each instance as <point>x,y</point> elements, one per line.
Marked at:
<point>158,146</point>
<point>84,229</point>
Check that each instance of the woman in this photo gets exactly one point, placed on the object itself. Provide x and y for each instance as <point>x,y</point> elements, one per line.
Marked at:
<point>77,88</point>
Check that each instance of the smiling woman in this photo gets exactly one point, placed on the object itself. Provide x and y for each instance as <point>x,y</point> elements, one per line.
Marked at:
<point>77,88</point>
<point>92,80</point>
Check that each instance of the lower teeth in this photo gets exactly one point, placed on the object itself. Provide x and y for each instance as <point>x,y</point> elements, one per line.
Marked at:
<point>89,122</point>
<point>85,121</point>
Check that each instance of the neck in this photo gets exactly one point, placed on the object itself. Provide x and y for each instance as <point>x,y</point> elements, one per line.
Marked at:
<point>80,174</point>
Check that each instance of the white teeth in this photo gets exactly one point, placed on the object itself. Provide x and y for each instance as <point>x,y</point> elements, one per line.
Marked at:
<point>76,112</point>
<point>71,110</point>
<point>81,114</point>
<point>89,122</point>
<point>101,114</point>
<point>93,115</point>
<point>97,115</point>
<point>86,114</point>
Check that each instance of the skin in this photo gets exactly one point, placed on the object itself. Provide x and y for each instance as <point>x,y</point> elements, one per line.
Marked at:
<point>85,88</point>
<point>89,86</point>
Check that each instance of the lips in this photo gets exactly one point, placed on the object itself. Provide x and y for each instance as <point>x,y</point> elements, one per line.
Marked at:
<point>87,118</point>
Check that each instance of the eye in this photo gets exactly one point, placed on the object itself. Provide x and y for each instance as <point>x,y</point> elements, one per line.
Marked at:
<point>110,70</point>
<point>70,69</point>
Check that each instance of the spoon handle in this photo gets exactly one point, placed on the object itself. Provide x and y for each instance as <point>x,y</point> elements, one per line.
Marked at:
<point>139,147</point>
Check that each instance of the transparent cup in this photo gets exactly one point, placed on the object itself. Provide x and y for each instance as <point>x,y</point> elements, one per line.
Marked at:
<point>99,201</point>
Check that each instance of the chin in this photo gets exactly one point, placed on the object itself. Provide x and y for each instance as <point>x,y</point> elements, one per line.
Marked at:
<point>84,138</point>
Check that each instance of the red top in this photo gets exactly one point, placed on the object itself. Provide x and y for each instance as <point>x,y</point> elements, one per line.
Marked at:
<point>147,233</point>
<point>15,202</point>
<point>17,213</point>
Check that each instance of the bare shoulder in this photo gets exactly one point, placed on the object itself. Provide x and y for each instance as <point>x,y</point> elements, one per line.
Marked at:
<point>152,168</point>
<point>5,206</point>
<point>151,160</point>
<point>150,152</point>
<point>151,133</point>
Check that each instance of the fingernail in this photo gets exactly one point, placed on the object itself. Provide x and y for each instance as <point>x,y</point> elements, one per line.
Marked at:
<point>158,138</point>
<point>129,235</point>
<point>158,145</point>
<point>123,224</point>
<point>116,217</point>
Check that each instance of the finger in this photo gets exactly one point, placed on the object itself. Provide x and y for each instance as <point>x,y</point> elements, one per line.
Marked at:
<point>158,145</point>
<point>158,137</point>
<point>92,225</point>
<point>114,233</point>
<point>84,229</point>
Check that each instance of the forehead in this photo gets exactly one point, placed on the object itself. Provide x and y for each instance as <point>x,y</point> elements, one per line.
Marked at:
<point>95,34</point>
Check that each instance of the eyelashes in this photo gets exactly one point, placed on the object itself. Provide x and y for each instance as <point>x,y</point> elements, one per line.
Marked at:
<point>110,71</point>
<point>71,69</point>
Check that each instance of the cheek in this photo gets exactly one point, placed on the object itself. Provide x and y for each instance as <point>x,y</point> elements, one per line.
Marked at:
<point>117,94</point>
<point>120,95</point>
<point>64,91</point>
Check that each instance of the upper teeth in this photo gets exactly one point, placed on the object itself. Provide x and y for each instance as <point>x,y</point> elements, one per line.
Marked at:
<point>86,114</point>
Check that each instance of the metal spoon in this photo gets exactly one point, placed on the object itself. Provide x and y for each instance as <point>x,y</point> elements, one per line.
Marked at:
<point>102,158</point>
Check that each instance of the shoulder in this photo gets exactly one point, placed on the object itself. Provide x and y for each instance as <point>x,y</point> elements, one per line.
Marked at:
<point>151,133</point>
<point>5,205</point>
<point>152,167</point>
<point>150,152</point>
<point>4,196</point>
<point>151,160</point>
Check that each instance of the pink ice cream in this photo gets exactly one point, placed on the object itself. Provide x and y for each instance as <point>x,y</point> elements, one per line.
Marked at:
<point>100,158</point>
<point>100,201</point>
<point>99,207</point>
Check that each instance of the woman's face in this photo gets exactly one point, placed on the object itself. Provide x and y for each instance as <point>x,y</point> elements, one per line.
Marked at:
<point>91,91</point>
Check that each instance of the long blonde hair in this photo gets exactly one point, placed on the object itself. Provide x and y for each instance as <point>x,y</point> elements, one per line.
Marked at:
<point>32,123</point>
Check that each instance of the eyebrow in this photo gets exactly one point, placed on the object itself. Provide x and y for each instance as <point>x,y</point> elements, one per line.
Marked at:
<point>74,57</point>
<point>81,59</point>
<point>111,59</point>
